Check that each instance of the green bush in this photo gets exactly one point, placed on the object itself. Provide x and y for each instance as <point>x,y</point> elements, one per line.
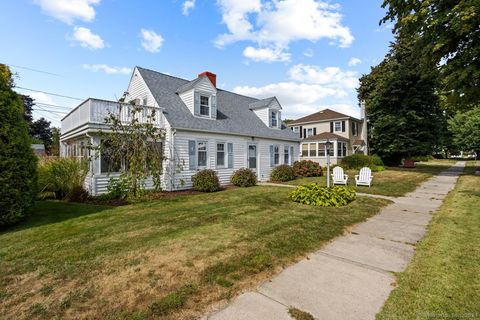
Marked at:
<point>422,158</point>
<point>244,178</point>
<point>282,172</point>
<point>64,177</point>
<point>206,181</point>
<point>307,168</point>
<point>358,161</point>
<point>117,189</point>
<point>18,175</point>
<point>316,195</point>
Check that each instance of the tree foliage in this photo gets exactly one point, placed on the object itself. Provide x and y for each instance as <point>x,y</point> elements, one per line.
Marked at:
<point>40,129</point>
<point>447,35</point>
<point>134,148</point>
<point>17,162</point>
<point>403,109</point>
<point>465,128</point>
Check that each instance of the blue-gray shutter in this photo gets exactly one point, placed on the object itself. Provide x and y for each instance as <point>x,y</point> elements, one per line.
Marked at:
<point>291,155</point>
<point>214,107</point>
<point>279,121</point>
<point>269,118</point>
<point>192,159</point>
<point>230,154</point>
<point>196,103</point>
<point>272,162</point>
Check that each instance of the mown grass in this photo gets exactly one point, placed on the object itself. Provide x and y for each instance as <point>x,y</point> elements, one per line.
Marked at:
<point>442,281</point>
<point>169,258</point>
<point>391,182</point>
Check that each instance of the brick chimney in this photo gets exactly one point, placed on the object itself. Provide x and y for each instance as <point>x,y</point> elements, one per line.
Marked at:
<point>211,76</point>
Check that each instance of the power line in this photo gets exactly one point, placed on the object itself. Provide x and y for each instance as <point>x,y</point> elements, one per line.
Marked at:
<point>49,111</point>
<point>49,93</point>
<point>35,70</point>
<point>53,105</point>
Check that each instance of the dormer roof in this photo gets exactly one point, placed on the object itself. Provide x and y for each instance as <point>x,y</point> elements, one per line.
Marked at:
<point>264,103</point>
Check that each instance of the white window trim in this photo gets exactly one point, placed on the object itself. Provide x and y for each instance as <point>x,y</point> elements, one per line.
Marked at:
<point>335,126</point>
<point>296,129</point>
<point>209,97</point>
<point>273,112</point>
<point>278,147</point>
<point>206,156</point>
<point>287,149</point>
<point>309,134</point>
<point>225,155</point>
<point>339,148</point>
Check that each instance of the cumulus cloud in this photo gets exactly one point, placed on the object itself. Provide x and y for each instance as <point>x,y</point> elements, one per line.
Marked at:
<point>87,39</point>
<point>107,69</point>
<point>330,76</point>
<point>266,54</point>
<point>40,97</point>
<point>278,23</point>
<point>353,62</point>
<point>69,11</point>
<point>151,41</point>
<point>187,6</point>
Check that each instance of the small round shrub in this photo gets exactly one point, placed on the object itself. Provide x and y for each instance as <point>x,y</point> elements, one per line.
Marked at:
<point>316,195</point>
<point>77,194</point>
<point>282,172</point>
<point>358,161</point>
<point>307,168</point>
<point>244,178</point>
<point>206,181</point>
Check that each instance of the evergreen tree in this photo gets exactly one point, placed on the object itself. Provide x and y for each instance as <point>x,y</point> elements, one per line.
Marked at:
<point>17,161</point>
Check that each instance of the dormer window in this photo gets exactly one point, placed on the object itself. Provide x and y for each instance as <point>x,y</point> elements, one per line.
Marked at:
<point>274,119</point>
<point>204,106</point>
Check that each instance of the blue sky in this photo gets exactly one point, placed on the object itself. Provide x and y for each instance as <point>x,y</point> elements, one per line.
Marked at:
<point>308,53</point>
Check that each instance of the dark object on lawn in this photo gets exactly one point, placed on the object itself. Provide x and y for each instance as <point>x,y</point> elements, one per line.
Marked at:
<point>409,163</point>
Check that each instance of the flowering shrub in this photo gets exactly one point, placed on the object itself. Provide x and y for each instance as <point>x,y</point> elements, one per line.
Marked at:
<point>307,168</point>
<point>206,181</point>
<point>244,178</point>
<point>282,172</point>
<point>316,195</point>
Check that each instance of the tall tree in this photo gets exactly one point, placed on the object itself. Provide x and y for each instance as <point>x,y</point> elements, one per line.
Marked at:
<point>55,147</point>
<point>447,35</point>
<point>28,104</point>
<point>402,105</point>
<point>40,129</point>
<point>465,127</point>
<point>17,161</point>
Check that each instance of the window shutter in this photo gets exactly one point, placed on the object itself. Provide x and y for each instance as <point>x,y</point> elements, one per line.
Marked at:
<point>230,154</point>
<point>304,133</point>
<point>291,155</point>
<point>343,126</point>
<point>314,131</point>
<point>271,156</point>
<point>269,118</point>
<point>279,119</point>
<point>214,107</point>
<point>196,103</point>
<point>192,165</point>
<point>331,127</point>
<point>301,132</point>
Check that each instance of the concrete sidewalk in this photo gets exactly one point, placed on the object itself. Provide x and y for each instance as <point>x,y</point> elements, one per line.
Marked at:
<point>352,276</point>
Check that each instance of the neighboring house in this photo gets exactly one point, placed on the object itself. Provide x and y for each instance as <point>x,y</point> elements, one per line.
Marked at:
<point>205,128</point>
<point>332,132</point>
<point>39,149</point>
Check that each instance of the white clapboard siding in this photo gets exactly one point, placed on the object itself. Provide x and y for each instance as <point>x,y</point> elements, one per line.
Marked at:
<point>137,89</point>
<point>187,98</point>
<point>100,183</point>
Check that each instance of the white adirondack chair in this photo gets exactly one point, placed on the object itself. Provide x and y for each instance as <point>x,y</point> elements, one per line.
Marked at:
<point>364,178</point>
<point>338,176</point>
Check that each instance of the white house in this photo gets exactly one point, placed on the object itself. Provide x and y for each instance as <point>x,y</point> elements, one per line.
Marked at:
<point>205,127</point>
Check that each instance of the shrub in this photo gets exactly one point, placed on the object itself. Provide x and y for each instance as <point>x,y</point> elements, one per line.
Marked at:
<point>244,178</point>
<point>18,175</point>
<point>64,177</point>
<point>358,161</point>
<point>316,195</point>
<point>307,168</point>
<point>206,181</point>
<point>117,189</point>
<point>282,172</point>
<point>422,158</point>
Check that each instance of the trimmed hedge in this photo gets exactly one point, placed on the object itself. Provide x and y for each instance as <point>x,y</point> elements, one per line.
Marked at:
<point>358,161</point>
<point>18,174</point>
<point>282,172</point>
<point>244,178</point>
<point>316,195</point>
<point>206,181</point>
<point>307,168</point>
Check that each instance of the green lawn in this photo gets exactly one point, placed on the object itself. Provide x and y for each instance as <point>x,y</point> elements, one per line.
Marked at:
<point>443,280</point>
<point>169,258</point>
<point>391,182</point>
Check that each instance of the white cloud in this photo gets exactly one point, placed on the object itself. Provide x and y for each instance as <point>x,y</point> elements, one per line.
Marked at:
<point>87,38</point>
<point>69,10</point>
<point>353,62</point>
<point>187,6</point>
<point>308,53</point>
<point>333,77</point>
<point>266,54</point>
<point>151,41</point>
<point>40,97</point>
<point>107,69</point>
<point>278,23</point>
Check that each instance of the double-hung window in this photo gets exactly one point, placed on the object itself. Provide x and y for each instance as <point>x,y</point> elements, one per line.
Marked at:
<point>204,106</point>
<point>304,150</point>
<point>286,155</point>
<point>337,126</point>
<point>313,149</point>
<point>296,129</point>
<point>309,132</point>
<point>274,123</point>
<point>220,154</point>
<point>341,149</point>
<point>201,154</point>
<point>321,149</point>
<point>276,155</point>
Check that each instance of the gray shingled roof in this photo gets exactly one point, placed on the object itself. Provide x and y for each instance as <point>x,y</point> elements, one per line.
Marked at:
<point>261,103</point>
<point>233,114</point>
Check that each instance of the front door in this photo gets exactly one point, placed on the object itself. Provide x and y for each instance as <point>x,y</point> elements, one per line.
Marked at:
<point>252,157</point>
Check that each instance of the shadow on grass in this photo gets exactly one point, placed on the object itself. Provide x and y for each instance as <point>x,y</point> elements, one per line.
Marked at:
<point>49,212</point>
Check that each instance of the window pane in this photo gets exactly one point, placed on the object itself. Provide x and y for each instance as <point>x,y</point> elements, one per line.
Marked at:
<point>305,150</point>
<point>204,106</point>
<point>338,126</point>
<point>321,150</point>
<point>286,158</point>
<point>313,150</point>
<point>330,149</point>
<point>202,158</point>
<point>220,158</point>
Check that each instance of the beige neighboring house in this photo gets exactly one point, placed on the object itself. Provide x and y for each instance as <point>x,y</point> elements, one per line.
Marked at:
<point>332,132</point>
